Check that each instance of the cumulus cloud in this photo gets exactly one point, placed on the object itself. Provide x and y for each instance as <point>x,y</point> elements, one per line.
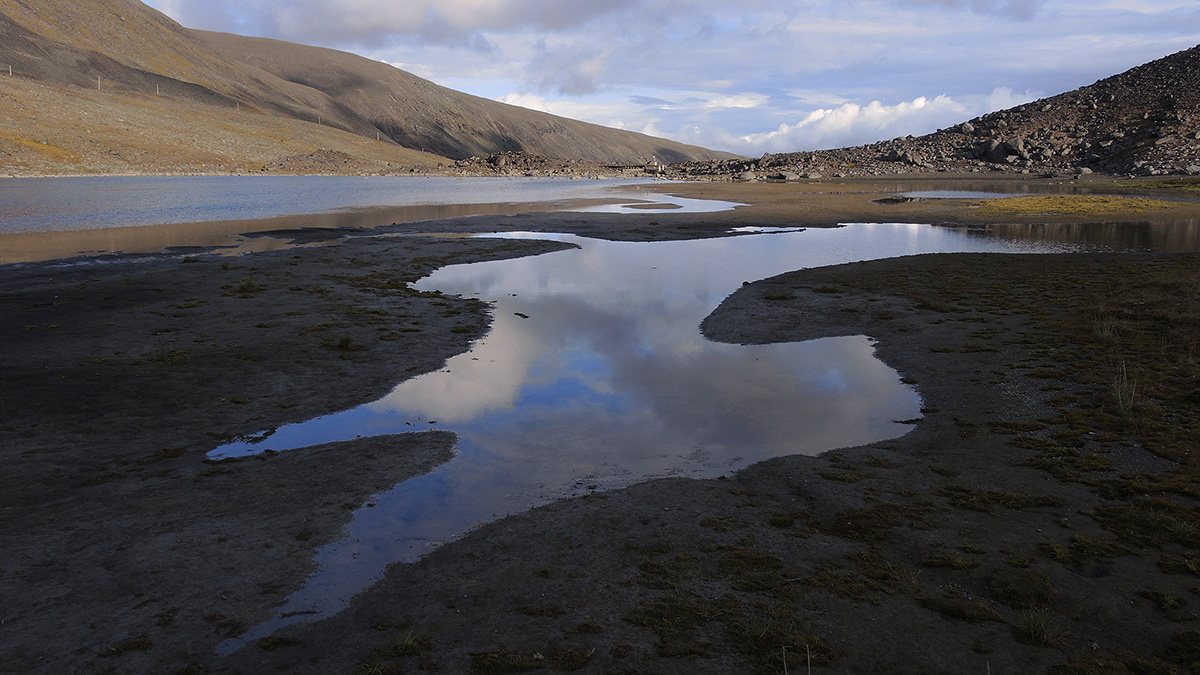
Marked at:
<point>378,21</point>
<point>747,77</point>
<point>847,124</point>
<point>617,115</point>
<point>1002,98</point>
<point>572,70</point>
<point>744,100</point>
<point>1020,9</point>
<point>853,124</point>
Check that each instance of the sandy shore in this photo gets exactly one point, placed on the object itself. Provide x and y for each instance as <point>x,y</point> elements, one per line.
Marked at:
<point>1026,522</point>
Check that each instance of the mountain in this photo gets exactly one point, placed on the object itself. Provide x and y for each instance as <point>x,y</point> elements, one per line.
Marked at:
<point>1145,121</point>
<point>419,114</point>
<point>127,46</point>
<point>114,86</point>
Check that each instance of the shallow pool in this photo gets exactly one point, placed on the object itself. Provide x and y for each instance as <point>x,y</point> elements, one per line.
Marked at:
<point>595,376</point>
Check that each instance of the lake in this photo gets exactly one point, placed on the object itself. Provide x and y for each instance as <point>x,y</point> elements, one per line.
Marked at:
<point>53,218</point>
<point>92,203</point>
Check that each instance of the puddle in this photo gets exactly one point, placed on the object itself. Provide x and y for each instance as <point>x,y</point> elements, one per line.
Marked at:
<point>957,194</point>
<point>595,376</point>
<point>664,203</point>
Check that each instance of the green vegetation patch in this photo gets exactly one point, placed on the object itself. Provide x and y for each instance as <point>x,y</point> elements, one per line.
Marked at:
<point>675,618</point>
<point>867,577</point>
<point>1152,522</point>
<point>1071,205</point>
<point>773,637</point>
<point>1186,185</point>
<point>874,524</point>
<point>986,500</point>
<point>1022,588</point>
<point>1082,550</point>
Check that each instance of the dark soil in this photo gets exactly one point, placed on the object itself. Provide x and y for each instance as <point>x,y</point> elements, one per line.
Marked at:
<point>1041,517</point>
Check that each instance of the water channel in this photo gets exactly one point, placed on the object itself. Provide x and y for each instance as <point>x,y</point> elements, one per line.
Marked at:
<point>595,376</point>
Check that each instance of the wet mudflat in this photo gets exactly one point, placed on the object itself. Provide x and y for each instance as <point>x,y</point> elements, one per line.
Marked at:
<point>809,551</point>
<point>595,376</point>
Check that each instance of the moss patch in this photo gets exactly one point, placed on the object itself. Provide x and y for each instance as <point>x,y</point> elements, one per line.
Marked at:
<point>1081,205</point>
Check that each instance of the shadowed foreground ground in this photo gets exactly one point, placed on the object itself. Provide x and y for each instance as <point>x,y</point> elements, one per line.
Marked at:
<point>1040,518</point>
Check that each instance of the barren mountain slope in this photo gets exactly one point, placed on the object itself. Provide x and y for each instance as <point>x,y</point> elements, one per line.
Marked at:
<point>123,45</point>
<point>61,129</point>
<point>1145,121</point>
<point>124,49</point>
<point>420,114</point>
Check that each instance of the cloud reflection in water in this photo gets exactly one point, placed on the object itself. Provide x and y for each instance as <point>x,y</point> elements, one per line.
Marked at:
<point>595,376</point>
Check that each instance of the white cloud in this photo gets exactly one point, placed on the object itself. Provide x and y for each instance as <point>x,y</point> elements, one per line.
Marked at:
<point>571,70</point>
<point>1003,98</point>
<point>845,125</point>
<point>745,76</point>
<point>1020,9</point>
<point>745,100</point>
<point>377,21</point>
<point>852,124</point>
<point>616,115</point>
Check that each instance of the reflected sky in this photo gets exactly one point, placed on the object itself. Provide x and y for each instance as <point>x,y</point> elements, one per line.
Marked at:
<point>595,376</point>
<point>663,203</point>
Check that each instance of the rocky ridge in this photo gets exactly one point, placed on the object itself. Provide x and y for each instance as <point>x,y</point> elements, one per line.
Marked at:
<point>1143,122</point>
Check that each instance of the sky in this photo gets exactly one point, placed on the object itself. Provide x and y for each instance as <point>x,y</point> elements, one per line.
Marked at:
<point>744,76</point>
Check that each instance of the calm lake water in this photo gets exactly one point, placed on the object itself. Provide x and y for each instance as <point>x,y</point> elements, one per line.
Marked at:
<point>57,204</point>
<point>54,218</point>
<point>595,376</point>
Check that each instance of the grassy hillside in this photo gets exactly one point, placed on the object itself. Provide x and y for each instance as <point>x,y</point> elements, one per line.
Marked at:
<point>417,113</point>
<point>60,129</point>
<point>115,86</point>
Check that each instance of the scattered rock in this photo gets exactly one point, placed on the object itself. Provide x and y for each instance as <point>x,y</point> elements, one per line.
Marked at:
<point>1148,114</point>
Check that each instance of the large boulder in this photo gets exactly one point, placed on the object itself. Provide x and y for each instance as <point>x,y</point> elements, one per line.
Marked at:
<point>1004,151</point>
<point>993,150</point>
<point>1016,146</point>
<point>905,157</point>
